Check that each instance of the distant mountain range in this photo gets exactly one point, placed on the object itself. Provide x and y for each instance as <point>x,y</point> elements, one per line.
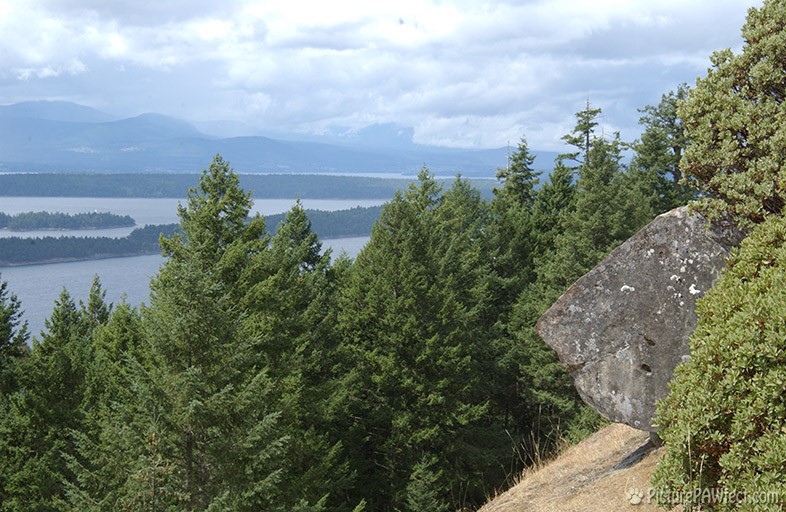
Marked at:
<point>66,137</point>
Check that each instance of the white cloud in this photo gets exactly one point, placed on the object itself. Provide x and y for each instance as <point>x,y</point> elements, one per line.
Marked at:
<point>460,72</point>
<point>74,67</point>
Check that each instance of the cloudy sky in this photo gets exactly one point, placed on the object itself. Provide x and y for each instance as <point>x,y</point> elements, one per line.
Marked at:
<point>463,73</point>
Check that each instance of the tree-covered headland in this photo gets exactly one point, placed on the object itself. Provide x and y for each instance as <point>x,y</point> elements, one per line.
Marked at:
<point>267,375</point>
<point>16,250</point>
<point>29,221</point>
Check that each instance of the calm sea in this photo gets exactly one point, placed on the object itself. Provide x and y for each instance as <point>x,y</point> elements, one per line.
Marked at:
<point>38,286</point>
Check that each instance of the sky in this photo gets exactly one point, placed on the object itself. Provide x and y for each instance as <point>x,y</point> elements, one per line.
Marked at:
<point>461,73</point>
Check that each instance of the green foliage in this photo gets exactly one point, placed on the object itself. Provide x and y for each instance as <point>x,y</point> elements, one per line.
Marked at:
<point>555,200</point>
<point>263,376</point>
<point>724,420</point>
<point>205,434</point>
<point>583,134</point>
<point>292,311</point>
<point>13,339</point>
<point>413,316</point>
<point>98,462</point>
<point>519,178</point>
<point>608,206</point>
<point>546,407</point>
<point>40,417</point>
<point>733,119</point>
<point>660,150</point>
<point>512,241</point>
<point>424,490</point>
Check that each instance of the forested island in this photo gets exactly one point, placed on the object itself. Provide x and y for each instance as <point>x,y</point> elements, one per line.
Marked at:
<point>30,221</point>
<point>49,249</point>
<point>26,251</point>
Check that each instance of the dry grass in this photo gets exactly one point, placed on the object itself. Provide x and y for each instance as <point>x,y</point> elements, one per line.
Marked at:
<point>592,476</point>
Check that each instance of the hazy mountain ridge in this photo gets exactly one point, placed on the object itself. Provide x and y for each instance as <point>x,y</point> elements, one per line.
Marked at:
<point>55,111</point>
<point>62,136</point>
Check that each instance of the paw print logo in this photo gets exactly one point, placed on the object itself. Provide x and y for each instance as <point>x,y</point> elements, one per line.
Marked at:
<point>635,496</point>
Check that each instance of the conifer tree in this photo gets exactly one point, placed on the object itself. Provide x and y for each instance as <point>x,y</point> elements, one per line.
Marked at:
<point>543,405</point>
<point>416,314</point>
<point>99,463</point>
<point>46,411</point>
<point>513,230</point>
<point>555,201</point>
<point>583,134</point>
<point>518,178</point>
<point>608,209</point>
<point>206,434</point>
<point>422,488</point>
<point>13,352</point>
<point>660,150</point>
<point>13,339</point>
<point>291,309</point>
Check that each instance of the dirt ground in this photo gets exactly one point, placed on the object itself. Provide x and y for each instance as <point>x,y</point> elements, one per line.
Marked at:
<point>609,471</point>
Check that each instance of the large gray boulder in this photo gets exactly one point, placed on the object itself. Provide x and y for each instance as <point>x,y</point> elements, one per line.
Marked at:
<point>624,326</point>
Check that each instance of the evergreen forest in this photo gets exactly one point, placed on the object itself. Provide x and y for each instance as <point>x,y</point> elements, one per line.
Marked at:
<point>266,374</point>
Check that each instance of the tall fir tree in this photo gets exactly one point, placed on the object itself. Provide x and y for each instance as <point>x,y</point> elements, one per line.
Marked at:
<point>583,135</point>
<point>98,464</point>
<point>46,411</point>
<point>291,314</point>
<point>416,315</point>
<point>512,229</point>
<point>206,434</point>
<point>518,178</point>
<point>555,200</point>
<point>607,210</point>
<point>13,352</point>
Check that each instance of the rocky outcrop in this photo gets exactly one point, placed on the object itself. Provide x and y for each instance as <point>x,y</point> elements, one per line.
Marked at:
<point>624,326</point>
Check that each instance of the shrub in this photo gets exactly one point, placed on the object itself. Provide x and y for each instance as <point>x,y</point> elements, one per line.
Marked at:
<point>724,421</point>
<point>735,121</point>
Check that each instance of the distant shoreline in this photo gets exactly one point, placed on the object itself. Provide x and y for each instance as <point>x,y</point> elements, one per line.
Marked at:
<point>176,185</point>
<point>51,261</point>
<point>4,264</point>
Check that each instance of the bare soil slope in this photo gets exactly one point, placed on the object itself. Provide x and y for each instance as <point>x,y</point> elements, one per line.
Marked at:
<point>609,471</point>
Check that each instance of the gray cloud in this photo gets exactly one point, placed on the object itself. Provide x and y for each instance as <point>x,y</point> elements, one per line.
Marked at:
<point>461,73</point>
